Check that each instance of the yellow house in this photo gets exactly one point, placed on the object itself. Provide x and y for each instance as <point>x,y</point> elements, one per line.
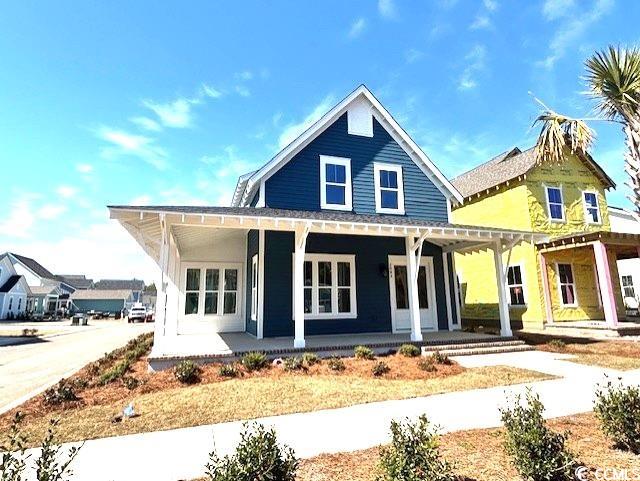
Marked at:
<point>572,275</point>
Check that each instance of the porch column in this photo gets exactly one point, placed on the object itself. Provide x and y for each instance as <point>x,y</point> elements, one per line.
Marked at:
<point>301,233</point>
<point>606,286</point>
<point>161,290</point>
<point>503,303</point>
<point>546,292</point>
<point>412,287</point>
<point>447,288</point>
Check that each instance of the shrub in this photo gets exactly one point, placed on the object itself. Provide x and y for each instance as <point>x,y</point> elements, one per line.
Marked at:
<point>538,453</point>
<point>12,459</point>
<point>380,368</point>
<point>48,466</point>
<point>254,361</point>
<point>310,358</point>
<point>187,372</point>
<point>60,393</point>
<point>293,364</point>
<point>441,358</point>
<point>427,364</point>
<point>413,454</point>
<point>114,373</point>
<point>228,370</point>
<point>130,382</point>
<point>409,350</point>
<point>618,410</point>
<point>558,344</point>
<point>335,364</point>
<point>258,456</point>
<point>363,352</point>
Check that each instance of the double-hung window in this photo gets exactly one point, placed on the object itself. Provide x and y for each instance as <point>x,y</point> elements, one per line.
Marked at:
<point>329,286</point>
<point>627,286</point>
<point>516,286</point>
<point>254,287</point>
<point>567,285</point>
<point>211,290</point>
<point>555,205</point>
<point>591,208</point>
<point>389,188</point>
<point>335,183</point>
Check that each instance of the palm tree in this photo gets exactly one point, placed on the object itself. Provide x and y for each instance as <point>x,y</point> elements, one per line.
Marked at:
<point>613,78</point>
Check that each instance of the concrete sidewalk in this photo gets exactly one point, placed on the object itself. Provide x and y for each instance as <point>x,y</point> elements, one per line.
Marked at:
<point>182,453</point>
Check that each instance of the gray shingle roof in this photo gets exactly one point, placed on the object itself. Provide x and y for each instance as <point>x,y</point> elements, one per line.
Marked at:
<point>111,284</point>
<point>12,281</point>
<point>34,266</point>
<point>79,281</point>
<point>101,294</point>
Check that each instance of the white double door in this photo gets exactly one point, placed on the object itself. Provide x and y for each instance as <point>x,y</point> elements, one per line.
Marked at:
<point>399,290</point>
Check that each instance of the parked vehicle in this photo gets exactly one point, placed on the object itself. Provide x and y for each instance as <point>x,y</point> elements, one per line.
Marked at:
<point>150,315</point>
<point>138,314</point>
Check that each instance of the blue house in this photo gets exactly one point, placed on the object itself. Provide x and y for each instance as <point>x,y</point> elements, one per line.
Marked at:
<point>346,231</point>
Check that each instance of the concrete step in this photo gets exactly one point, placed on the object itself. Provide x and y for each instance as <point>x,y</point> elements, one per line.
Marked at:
<point>473,345</point>
<point>483,350</point>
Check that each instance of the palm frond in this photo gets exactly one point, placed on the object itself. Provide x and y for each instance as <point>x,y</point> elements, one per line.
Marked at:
<point>559,133</point>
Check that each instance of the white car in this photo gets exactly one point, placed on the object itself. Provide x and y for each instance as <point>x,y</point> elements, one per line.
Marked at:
<point>138,314</point>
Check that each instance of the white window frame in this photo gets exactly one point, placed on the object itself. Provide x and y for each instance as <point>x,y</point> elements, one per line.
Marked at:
<point>203,266</point>
<point>254,288</point>
<point>523,286</point>
<point>560,284</point>
<point>587,217</point>
<point>327,159</point>
<point>632,286</point>
<point>546,196</point>
<point>377,168</point>
<point>334,259</point>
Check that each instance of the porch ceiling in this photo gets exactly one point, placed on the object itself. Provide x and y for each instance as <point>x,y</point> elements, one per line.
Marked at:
<point>623,244</point>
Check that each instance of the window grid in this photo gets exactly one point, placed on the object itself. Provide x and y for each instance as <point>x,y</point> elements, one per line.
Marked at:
<point>555,203</point>
<point>591,208</point>
<point>389,190</point>
<point>335,183</point>
<point>627,286</point>
<point>516,286</point>
<point>567,285</point>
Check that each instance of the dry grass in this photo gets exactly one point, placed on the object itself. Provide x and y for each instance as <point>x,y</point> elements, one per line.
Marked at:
<point>478,454</point>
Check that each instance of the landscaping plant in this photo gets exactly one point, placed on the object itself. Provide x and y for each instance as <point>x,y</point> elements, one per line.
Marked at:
<point>257,457</point>
<point>60,393</point>
<point>310,358</point>
<point>228,370</point>
<point>254,361</point>
<point>293,363</point>
<point>557,344</point>
<point>537,452</point>
<point>427,364</point>
<point>47,466</point>
<point>363,352</point>
<point>413,454</point>
<point>335,364</point>
<point>618,410</point>
<point>187,372</point>
<point>12,460</point>
<point>440,358</point>
<point>380,368</point>
<point>409,350</point>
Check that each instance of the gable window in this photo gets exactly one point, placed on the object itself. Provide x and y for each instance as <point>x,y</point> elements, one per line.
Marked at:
<point>19,303</point>
<point>254,287</point>
<point>335,183</point>
<point>567,285</point>
<point>555,206</point>
<point>329,286</point>
<point>10,303</point>
<point>516,286</point>
<point>389,188</point>
<point>591,208</point>
<point>211,290</point>
<point>627,287</point>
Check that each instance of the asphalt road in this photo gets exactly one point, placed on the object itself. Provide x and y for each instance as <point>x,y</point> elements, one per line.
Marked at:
<point>29,368</point>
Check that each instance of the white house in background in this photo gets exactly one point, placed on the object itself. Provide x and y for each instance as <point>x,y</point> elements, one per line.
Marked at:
<point>14,290</point>
<point>627,221</point>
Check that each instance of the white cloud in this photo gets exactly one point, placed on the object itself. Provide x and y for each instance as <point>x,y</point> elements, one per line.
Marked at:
<point>387,8</point>
<point>491,5</point>
<point>294,130</point>
<point>573,28</point>
<point>20,220</point>
<point>242,91</point>
<point>475,59</point>
<point>146,123</point>
<point>66,191</point>
<point>413,55</point>
<point>357,28</point>
<point>141,200</point>
<point>176,114</point>
<point>554,9</point>
<point>124,143</point>
<point>51,211</point>
<point>481,22</point>
<point>209,91</point>
<point>84,168</point>
<point>244,75</point>
<point>180,196</point>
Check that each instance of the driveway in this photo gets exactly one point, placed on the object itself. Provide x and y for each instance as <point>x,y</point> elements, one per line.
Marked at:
<point>29,368</point>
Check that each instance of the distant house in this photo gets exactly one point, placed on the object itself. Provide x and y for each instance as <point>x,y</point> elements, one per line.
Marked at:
<point>628,222</point>
<point>14,290</point>
<point>134,285</point>
<point>78,281</point>
<point>47,300</point>
<point>110,301</point>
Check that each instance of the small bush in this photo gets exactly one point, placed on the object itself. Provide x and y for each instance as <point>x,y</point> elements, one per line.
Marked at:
<point>310,358</point>
<point>130,382</point>
<point>363,352</point>
<point>440,358</point>
<point>254,361</point>
<point>114,373</point>
<point>336,364</point>
<point>427,364</point>
<point>293,363</point>
<point>557,344</point>
<point>380,368</point>
<point>187,372</point>
<point>228,370</point>
<point>618,410</point>
<point>409,350</point>
<point>257,457</point>
<point>60,393</point>
<point>538,453</point>
<point>413,454</point>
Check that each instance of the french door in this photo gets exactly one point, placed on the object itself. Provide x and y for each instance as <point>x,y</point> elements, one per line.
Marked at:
<point>399,294</point>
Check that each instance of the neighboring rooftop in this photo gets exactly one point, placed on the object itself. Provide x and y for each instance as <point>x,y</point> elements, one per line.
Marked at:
<point>101,294</point>
<point>131,284</point>
<point>44,290</point>
<point>34,266</point>
<point>12,281</point>
<point>78,281</point>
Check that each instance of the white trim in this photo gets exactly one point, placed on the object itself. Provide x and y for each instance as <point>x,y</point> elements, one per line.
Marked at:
<point>575,289</point>
<point>457,291</point>
<point>377,168</point>
<point>261,201</point>
<point>261,245</point>
<point>254,287</point>
<point>346,163</point>
<point>546,196</point>
<point>523,285</point>
<point>587,217</point>
<point>447,287</point>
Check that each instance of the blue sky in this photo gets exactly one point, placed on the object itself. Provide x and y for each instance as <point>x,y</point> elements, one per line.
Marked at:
<point>125,102</point>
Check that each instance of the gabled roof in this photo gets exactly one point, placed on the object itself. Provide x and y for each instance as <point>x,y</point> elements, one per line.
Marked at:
<point>33,266</point>
<point>45,290</point>
<point>11,282</point>
<point>507,166</point>
<point>248,184</point>
<point>101,294</point>
<point>111,284</point>
<point>78,281</point>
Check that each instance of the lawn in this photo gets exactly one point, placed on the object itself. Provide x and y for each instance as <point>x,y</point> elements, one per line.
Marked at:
<point>478,454</point>
<point>161,402</point>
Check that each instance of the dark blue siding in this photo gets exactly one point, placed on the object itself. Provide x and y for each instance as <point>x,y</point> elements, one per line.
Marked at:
<point>372,288</point>
<point>252,249</point>
<point>297,184</point>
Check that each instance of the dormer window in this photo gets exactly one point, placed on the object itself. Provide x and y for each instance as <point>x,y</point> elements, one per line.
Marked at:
<point>591,209</point>
<point>335,183</point>
<point>555,205</point>
<point>389,188</point>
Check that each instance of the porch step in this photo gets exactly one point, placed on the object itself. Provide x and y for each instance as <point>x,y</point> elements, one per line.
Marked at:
<point>471,349</point>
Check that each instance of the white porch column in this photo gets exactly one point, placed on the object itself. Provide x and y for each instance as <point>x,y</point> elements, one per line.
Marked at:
<point>412,288</point>
<point>546,292</point>
<point>301,233</point>
<point>161,291</point>
<point>606,285</point>
<point>503,302</point>
<point>447,288</point>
